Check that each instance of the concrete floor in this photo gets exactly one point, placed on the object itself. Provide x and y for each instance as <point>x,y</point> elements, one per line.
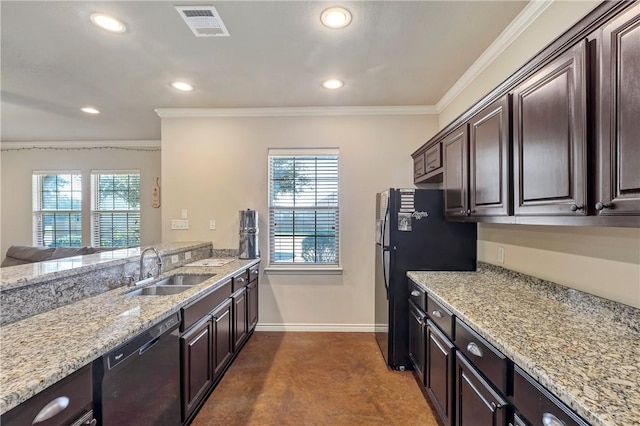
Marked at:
<point>314,379</point>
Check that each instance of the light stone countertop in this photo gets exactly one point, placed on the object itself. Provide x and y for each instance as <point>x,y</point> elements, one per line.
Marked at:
<point>40,350</point>
<point>37,272</point>
<point>584,349</point>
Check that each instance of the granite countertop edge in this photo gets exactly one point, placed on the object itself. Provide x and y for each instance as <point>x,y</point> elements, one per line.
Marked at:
<point>615,320</point>
<point>74,335</point>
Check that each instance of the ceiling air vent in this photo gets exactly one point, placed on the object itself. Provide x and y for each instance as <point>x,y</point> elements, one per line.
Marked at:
<point>204,21</point>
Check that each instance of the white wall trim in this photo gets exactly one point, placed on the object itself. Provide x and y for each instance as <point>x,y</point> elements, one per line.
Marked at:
<point>362,328</point>
<point>296,111</point>
<point>528,15</point>
<point>81,144</point>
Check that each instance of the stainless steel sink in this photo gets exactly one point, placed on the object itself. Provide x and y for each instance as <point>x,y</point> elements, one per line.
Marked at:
<point>159,290</point>
<point>184,279</point>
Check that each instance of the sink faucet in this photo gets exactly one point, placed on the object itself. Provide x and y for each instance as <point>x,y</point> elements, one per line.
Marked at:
<point>158,262</point>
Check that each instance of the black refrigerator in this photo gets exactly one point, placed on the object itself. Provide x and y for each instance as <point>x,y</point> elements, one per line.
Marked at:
<point>412,235</point>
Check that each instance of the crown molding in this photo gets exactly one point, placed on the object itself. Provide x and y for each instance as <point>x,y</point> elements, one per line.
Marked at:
<point>296,111</point>
<point>81,144</point>
<point>525,18</point>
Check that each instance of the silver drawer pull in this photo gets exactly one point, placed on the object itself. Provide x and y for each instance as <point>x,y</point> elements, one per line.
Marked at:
<point>254,272</point>
<point>51,409</point>
<point>415,293</point>
<point>240,280</point>
<point>437,314</point>
<point>474,349</point>
<point>549,419</point>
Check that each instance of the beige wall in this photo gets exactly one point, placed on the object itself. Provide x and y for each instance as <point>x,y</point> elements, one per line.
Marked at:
<point>601,261</point>
<point>214,167</point>
<point>17,167</point>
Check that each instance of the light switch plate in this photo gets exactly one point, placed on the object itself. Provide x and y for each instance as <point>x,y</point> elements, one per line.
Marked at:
<point>212,224</point>
<point>179,224</point>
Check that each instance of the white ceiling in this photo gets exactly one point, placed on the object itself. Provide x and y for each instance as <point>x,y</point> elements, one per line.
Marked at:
<point>394,53</point>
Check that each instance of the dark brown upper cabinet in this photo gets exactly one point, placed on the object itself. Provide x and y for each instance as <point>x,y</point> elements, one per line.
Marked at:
<point>549,138</point>
<point>619,125</point>
<point>427,164</point>
<point>456,166</point>
<point>490,161</point>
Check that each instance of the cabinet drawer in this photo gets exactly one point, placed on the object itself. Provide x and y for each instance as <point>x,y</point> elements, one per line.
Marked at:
<point>73,392</point>
<point>417,295</point>
<point>195,311</point>
<point>418,166</point>
<point>441,316</point>
<point>240,280</point>
<point>538,405</point>
<point>491,362</point>
<point>433,158</point>
<point>253,272</point>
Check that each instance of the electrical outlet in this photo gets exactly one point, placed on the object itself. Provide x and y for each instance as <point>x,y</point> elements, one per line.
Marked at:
<point>500,254</point>
<point>174,259</point>
<point>179,224</point>
<point>212,224</point>
<point>187,255</point>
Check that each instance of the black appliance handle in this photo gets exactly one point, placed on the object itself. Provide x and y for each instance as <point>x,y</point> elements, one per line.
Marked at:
<point>383,246</point>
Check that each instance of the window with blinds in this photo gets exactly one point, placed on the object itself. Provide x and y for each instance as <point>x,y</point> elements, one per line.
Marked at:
<point>57,209</point>
<point>303,208</point>
<point>115,212</point>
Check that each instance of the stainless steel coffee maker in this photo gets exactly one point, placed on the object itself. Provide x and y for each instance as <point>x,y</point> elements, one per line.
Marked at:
<point>249,234</point>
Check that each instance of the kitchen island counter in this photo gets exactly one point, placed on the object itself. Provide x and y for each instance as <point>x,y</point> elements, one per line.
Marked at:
<point>584,349</point>
<point>40,350</point>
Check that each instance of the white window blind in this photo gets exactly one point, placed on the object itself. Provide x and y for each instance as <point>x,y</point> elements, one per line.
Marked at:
<point>115,212</point>
<point>57,208</point>
<point>303,208</point>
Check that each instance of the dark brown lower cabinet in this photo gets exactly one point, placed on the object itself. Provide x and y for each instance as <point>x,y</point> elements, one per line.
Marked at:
<point>417,320</point>
<point>222,336</point>
<point>197,365</point>
<point>252,304</point>
<point>476,402</point>
<point>240,329</point>
<point>438,378</point>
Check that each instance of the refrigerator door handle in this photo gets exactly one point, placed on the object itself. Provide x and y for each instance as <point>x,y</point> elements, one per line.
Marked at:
<point>383,248</point>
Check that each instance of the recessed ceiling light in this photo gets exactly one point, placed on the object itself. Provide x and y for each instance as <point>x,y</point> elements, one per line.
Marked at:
<point>90,110</point>
<point>332,84</point>
<point>107,22</point>
<point>181,85</point>
<point>336,17</point>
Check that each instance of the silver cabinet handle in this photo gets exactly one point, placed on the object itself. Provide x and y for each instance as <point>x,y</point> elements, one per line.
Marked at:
<point>254,272</point>
<point>549,419</point>
<point>240,280</point>
<point>437,314</point>
<point>415,293</point>
<point>51,409</point>
<point>474,349</point>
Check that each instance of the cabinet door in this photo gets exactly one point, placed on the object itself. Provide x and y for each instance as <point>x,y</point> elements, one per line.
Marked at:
<point>490,161</point>
<point>240,329</point>
<point>549,131</point>
<point>222,337</point>
<point>252,304</point>
<point>439,372</point>
<point>456,167</point>
<point>197,365</point>
<point>476,402</point>
<point>416,340</point>
<point>418,167</point>
<point>619,140</point>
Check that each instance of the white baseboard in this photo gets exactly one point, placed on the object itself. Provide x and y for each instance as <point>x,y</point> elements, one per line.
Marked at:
<point>363,328</point>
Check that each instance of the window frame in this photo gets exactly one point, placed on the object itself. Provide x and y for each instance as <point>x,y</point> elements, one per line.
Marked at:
<point>39,211</point>
<point>96,213</point>
<point>302,267</point>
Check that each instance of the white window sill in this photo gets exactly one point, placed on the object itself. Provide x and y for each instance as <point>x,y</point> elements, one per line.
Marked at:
<point>296,270</point>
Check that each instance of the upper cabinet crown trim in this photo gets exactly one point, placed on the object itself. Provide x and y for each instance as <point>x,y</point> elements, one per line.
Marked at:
<point>7,145</point>
<point>296,111</point>
<point>521,22</point>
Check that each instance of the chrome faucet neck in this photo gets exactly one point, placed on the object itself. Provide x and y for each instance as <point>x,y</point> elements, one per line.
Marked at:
<point>158,261</point>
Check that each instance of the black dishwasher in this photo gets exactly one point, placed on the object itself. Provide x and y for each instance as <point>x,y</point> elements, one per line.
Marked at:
<point>139,382</point>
